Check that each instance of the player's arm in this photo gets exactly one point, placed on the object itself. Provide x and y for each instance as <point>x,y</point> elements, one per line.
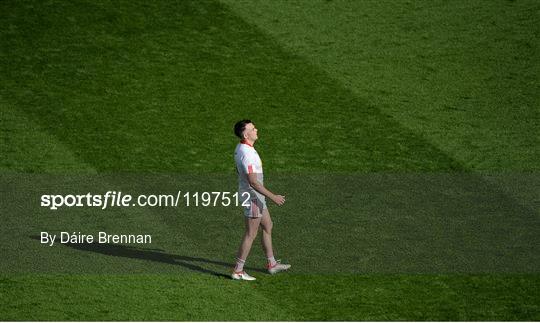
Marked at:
<point>254,182</point>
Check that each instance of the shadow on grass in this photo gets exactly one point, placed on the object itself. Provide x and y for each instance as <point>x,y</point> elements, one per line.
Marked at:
<point>157,255</point>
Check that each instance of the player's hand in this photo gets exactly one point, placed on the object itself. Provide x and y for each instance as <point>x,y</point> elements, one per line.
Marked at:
<point>279,199</point>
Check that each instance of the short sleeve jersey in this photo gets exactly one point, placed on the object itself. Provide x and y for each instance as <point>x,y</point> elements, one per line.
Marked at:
<point>248,162</point>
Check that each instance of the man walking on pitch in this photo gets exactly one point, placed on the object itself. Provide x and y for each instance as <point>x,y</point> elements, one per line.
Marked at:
<point>250,178</point>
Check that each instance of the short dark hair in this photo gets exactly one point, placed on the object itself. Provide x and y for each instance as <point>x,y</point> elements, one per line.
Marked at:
<point>240,126</point>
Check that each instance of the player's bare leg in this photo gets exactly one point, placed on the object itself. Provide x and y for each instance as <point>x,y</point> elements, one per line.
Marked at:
<point>273,265</point>
<point>251,229</point>
<point>266,237</point>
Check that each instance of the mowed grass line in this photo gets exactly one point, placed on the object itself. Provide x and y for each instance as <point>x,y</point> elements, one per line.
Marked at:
<point>156,87</point>
<point>462,74</point>
<point>27,147</point>
<point>92,85</point>
<point>286,297</point>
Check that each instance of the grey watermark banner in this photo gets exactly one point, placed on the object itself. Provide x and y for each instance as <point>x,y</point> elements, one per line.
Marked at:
<point>346,223</point>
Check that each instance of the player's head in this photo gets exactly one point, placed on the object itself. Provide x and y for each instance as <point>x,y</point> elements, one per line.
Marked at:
<point>245,129</point>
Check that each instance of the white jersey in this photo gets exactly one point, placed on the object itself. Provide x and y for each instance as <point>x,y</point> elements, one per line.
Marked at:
<point>248,162</point>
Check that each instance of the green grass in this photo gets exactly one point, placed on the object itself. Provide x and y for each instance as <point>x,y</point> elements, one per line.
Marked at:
<point>463,75</point>
<point>343,94</point>
<point>163,85</point>
<point>331,224</point>
<point>288,297</point>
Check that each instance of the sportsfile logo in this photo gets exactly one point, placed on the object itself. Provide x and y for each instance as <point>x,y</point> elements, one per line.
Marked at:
<point>119,199</point>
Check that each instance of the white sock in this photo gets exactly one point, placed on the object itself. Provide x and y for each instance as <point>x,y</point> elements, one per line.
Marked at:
<point>272,261</point>
<point>239,265</point>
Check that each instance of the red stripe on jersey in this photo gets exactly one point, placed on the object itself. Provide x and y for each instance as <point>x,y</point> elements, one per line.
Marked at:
<point>245,142</point>
<point>250,169</point>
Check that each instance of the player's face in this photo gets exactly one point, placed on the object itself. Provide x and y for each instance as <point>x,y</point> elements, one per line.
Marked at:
<point>251,132</point>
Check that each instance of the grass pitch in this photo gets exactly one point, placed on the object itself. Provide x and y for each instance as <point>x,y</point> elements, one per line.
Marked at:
<point>336,88</point>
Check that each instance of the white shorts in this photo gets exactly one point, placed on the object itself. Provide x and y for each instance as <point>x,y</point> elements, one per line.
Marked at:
<point>255,208</point>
